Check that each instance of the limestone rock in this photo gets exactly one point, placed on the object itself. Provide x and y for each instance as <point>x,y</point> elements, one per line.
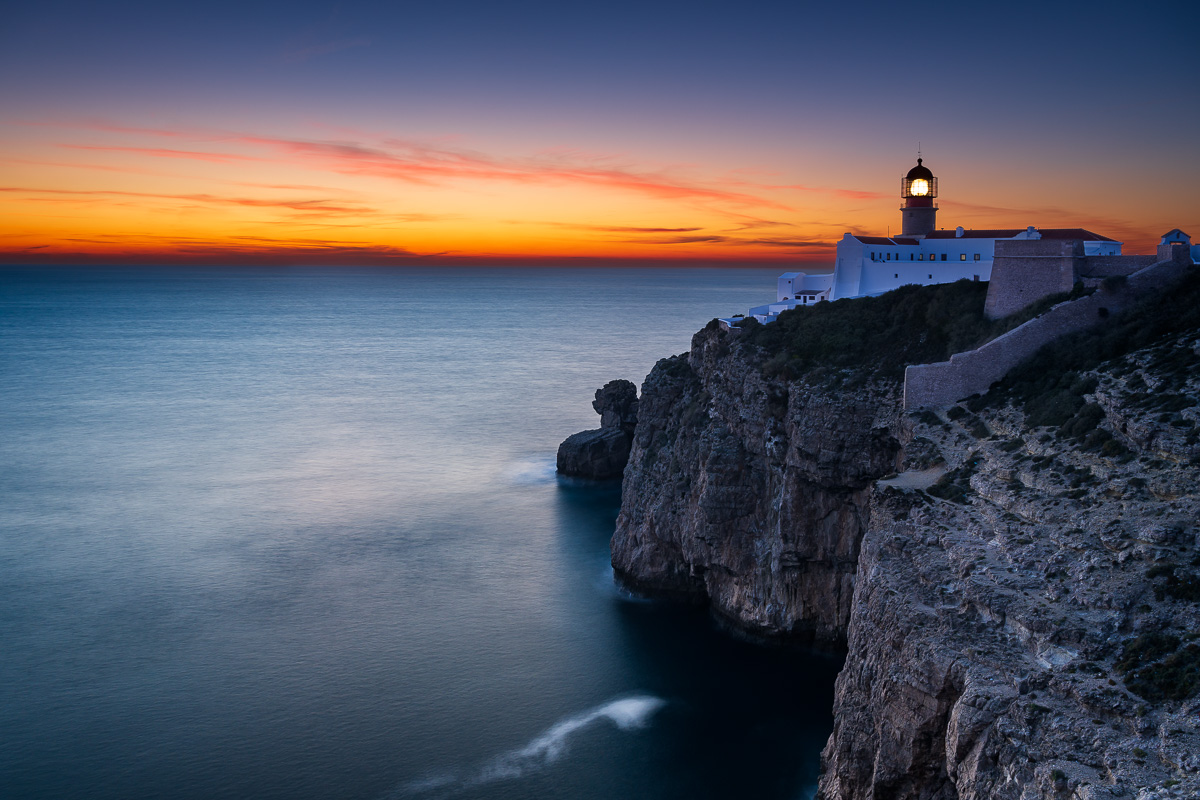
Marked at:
<point>751,494</point>
<point>617,405</point>
<point>600,454</point>
<point>990,618</point>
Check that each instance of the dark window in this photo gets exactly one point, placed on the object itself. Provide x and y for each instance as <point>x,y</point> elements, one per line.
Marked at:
<point>977,256</point>
<point>930,277</point>
<point>897,275</point>
<point>943,256</point>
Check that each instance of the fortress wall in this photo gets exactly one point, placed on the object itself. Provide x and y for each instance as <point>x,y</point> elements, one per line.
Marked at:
<point>1175,251</point>
<point>975,371</point>
<point>1026,270</point>
<point>1105,266</point>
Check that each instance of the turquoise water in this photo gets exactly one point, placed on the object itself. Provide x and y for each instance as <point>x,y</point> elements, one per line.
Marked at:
<point>297,534</point>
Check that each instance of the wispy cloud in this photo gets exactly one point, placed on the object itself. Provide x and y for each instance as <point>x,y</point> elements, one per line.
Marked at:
<point>843,194</point>
<point>322,207</point>
<point>796,244</point>
<point>418,162</point>
<point>612,228</point>
<point>681,240</point>
<point>751,224</point>
<point>143,249</point>
<point>162,152</point>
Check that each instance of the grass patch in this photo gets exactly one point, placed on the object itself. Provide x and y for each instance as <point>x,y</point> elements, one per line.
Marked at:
<point>1156,667</point>
<point>868,337</point>
<point>955,485</point>
<point>1178,584</point>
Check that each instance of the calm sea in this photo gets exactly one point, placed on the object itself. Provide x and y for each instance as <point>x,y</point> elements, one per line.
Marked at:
<point>297,534</point>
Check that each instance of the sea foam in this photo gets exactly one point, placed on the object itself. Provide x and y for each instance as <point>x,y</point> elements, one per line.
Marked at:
<point>627,713</point>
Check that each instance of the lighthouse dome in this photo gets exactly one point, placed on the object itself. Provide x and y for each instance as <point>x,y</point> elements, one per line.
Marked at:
<point>919,172</point>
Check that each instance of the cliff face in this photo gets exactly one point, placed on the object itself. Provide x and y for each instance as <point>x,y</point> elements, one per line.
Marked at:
<point>1031,638</point>
<point>1020,603</point>
<point>752,493</point>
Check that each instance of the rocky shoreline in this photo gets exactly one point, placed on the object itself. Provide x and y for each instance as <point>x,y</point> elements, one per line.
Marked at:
<point>1017,600</point>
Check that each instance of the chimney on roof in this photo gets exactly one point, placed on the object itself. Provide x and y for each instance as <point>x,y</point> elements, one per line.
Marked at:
<point>958,232</point>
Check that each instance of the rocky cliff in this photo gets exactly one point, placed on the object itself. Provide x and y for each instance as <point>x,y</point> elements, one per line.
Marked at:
<point>1017,580</point>
<point>602,454</point>
<point>750,493</point>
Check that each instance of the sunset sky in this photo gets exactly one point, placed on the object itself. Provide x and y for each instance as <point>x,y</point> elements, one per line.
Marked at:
<point>532,132</point>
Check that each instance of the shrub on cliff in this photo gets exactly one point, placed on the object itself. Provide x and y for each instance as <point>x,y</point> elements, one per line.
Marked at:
<point>879,336</point>
<point>1159,666</point>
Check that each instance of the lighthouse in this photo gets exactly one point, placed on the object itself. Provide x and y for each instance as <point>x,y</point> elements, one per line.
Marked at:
<point>919,212</point>
<point>921,255</point>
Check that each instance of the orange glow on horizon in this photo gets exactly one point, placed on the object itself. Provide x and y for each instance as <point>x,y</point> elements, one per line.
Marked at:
<point>104,193</point>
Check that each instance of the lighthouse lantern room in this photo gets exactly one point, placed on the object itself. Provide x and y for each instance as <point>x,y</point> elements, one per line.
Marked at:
<point>919,213</point>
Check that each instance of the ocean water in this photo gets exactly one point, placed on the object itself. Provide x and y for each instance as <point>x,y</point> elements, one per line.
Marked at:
<point>297,534</point>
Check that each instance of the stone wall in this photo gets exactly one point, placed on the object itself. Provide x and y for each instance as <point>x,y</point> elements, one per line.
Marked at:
<point>1026,270</point>
<point>973,372</point>
<point>1108,266</point>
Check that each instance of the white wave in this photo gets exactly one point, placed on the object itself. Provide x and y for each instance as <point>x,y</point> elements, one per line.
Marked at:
<point>532,472</point>
<point>627,713</point>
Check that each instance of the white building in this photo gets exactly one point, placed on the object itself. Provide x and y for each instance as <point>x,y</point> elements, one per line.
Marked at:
<point>921,254</point>
<point>1178,237</point>
<point>871,265</point>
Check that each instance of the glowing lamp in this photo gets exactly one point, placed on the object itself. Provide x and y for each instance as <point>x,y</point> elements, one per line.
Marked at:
<point>919,187</point>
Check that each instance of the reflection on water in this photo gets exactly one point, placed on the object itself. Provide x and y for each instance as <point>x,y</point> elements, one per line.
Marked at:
<point>297,534</point>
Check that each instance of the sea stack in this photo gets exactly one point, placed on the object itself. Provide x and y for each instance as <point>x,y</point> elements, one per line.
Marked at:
<point>602,454</point>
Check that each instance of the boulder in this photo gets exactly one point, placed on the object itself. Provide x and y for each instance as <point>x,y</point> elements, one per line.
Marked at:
<point>598,454</point>
<point>602,454</point>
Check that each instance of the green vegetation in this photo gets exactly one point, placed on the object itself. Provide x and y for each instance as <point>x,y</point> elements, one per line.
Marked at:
<point>955,485</point>
<point>1179,584</point>
<point>1156,668</point>
<point>878,336</point>
<point>1049,386</point>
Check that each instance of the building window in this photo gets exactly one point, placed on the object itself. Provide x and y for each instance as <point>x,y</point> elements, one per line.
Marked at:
<point>889,256</point>
<point>920,256</point>
<point>977,256</point>
<point>943,256</point>
<point>977,279</point>
<point>962,256</point>
<point>897,275</point>
<point>930,277</point>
